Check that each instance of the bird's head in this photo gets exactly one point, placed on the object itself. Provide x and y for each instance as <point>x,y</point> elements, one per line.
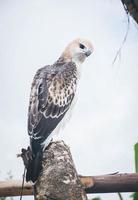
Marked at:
<point>78,50</point>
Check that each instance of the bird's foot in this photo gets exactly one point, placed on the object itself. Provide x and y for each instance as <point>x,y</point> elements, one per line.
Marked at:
<point>26,155</point>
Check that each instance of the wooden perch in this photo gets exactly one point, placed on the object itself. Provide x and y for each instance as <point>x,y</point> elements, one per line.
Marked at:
<point>60,179</point>
<point>92,184</point>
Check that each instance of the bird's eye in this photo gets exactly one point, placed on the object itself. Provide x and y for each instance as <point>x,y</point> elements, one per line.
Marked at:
<point>82,46</point>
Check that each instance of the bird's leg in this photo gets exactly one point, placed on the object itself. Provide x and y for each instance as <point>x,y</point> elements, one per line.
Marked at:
<point>56,138</point>
<point>26,155</point>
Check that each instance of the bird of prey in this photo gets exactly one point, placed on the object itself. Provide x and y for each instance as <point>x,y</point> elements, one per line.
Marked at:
<point>52,93</point>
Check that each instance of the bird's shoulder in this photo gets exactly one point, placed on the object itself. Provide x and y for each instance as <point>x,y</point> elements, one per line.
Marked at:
<point>60,70</point>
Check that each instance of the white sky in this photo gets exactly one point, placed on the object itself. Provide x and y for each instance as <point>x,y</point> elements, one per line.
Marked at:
<point>103,128</point>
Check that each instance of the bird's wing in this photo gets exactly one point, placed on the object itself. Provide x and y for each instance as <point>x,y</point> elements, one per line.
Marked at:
<point>51,95</point>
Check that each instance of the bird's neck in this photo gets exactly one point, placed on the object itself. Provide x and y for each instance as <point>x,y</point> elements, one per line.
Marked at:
<point>64,60</point>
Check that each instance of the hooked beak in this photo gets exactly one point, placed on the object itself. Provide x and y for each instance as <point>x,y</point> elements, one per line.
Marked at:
<point>88,53</point>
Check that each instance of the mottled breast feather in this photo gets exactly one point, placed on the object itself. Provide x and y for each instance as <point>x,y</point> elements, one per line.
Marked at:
<point>52,92</point>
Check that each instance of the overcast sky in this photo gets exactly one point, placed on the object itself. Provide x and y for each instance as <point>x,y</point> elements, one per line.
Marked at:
<point>104,127</point>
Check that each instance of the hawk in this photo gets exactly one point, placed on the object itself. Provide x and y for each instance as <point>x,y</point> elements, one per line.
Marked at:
<point>52,92</point>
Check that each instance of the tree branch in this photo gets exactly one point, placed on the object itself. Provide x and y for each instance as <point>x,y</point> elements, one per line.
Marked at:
<point>131,6</point>
<point>59,179</point>
<point>92,184</point>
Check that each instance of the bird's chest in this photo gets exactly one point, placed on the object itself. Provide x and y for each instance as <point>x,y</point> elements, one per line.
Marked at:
<point>62,90</point>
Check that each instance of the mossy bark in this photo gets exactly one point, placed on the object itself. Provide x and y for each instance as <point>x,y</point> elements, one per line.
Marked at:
<point>59,179</point>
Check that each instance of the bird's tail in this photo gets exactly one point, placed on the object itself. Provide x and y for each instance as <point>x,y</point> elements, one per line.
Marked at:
<point>34,167</point>
<point>33,164</point>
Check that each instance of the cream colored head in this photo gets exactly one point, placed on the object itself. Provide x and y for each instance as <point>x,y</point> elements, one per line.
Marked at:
<point>78,50</point>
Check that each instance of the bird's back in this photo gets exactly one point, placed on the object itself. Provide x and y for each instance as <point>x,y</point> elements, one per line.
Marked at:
<point>52,92</point>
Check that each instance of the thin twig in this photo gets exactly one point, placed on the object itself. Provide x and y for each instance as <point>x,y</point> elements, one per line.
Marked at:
<point>23,183</point>
<point>120,196</point>
<point>125,37</point>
